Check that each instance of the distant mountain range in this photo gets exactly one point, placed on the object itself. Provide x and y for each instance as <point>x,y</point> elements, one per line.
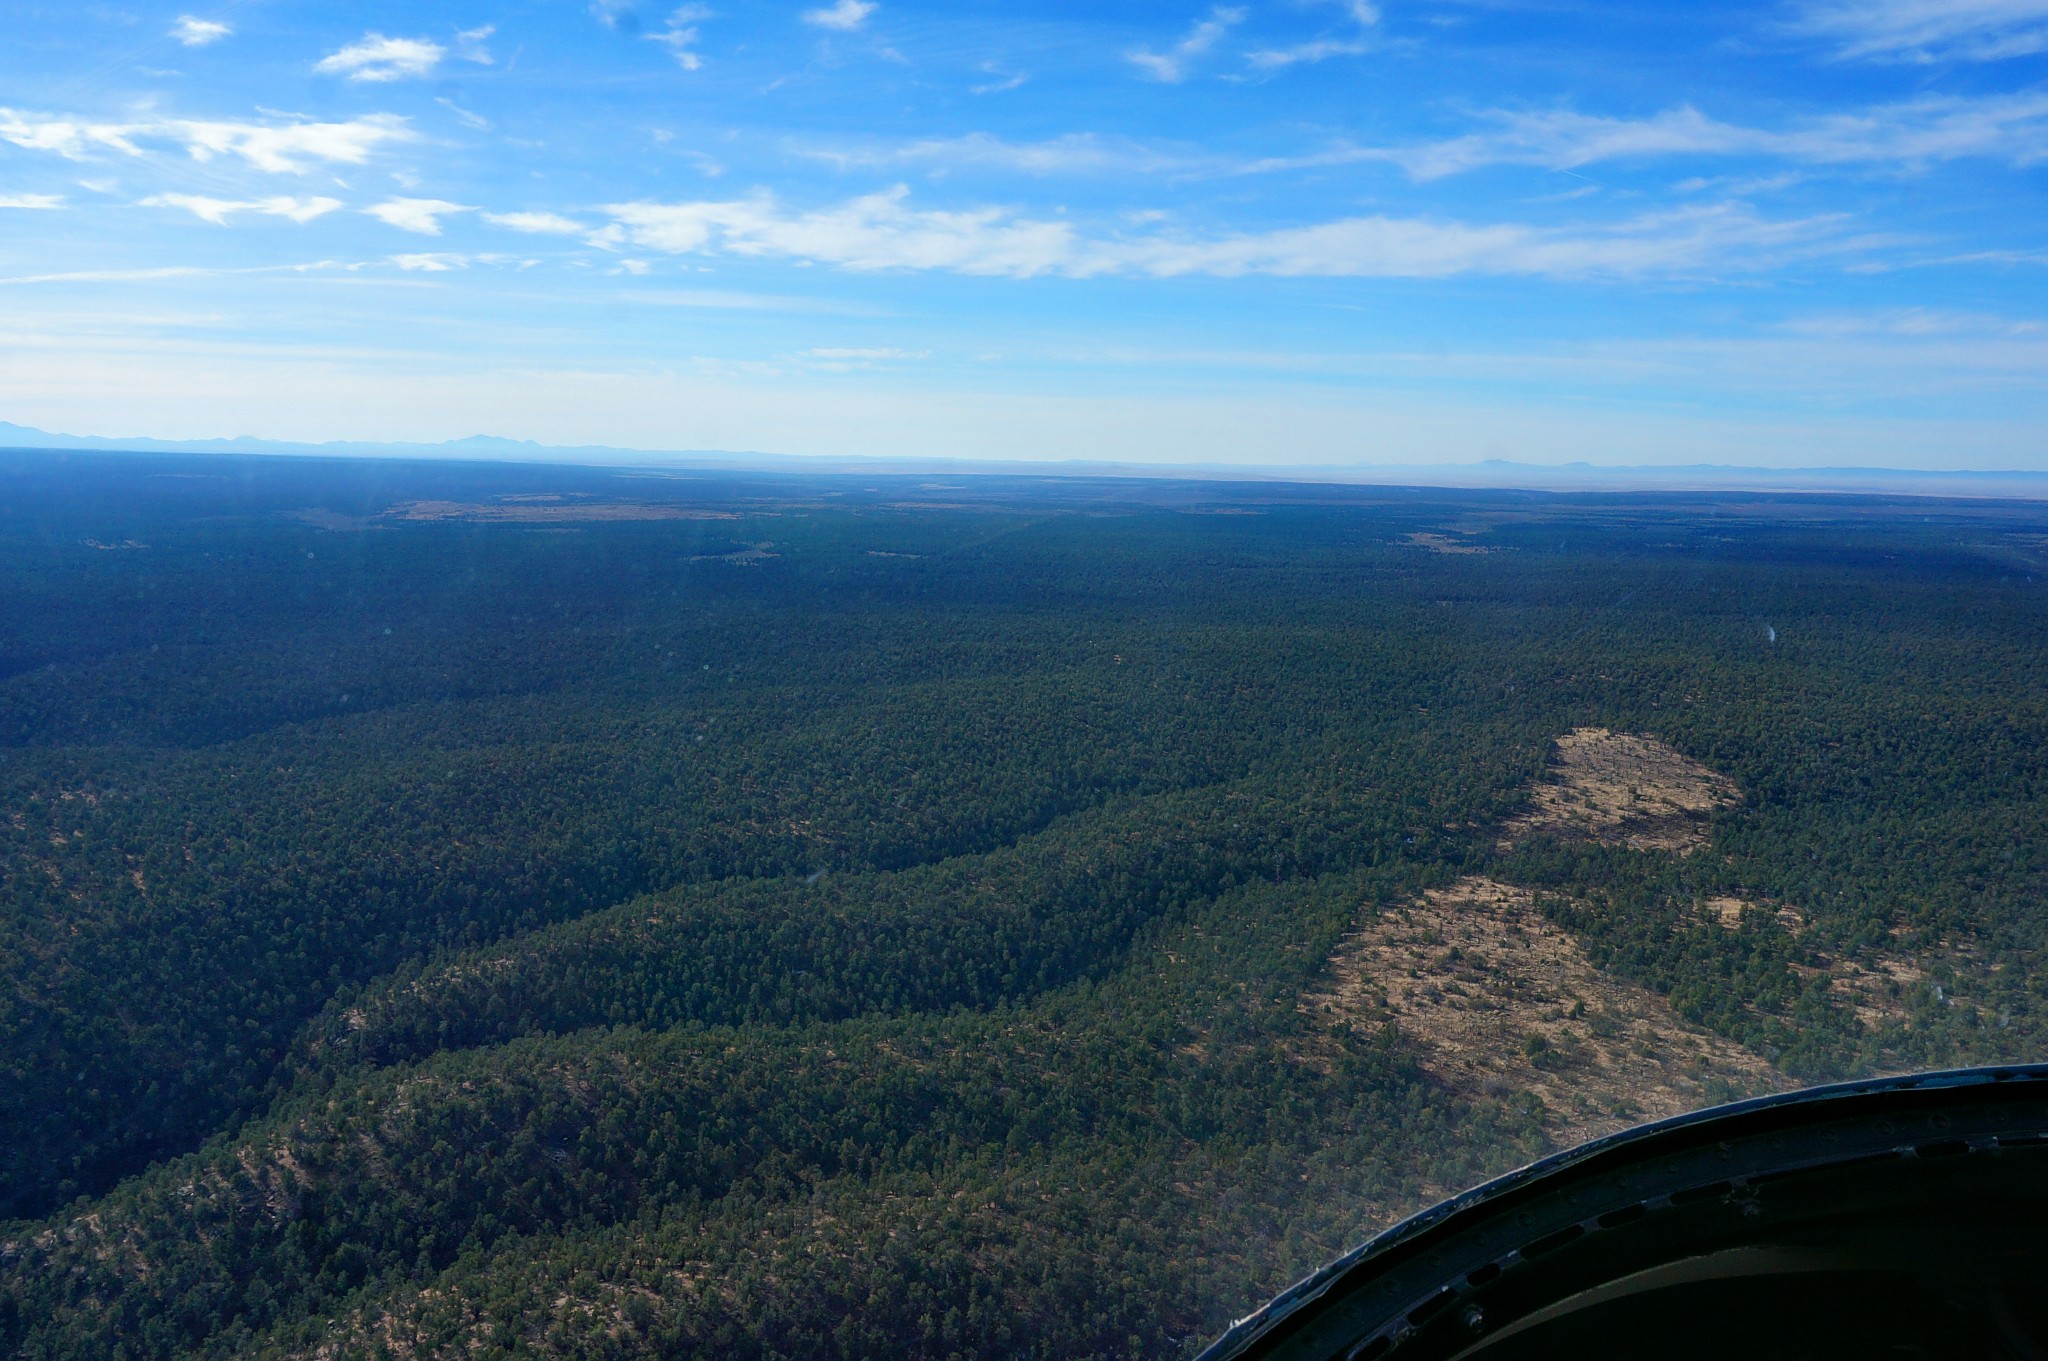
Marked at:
<point>1500,473</point>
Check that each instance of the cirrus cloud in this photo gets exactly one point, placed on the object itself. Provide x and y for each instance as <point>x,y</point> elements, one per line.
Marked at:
<point>430,262</point>
<point>196,32</point>
<point>845,16</point>
<point>884,232</point>
<point>1171,66</point>
<point>421,215</point>
<point>537,224</point>
<point>1929,30</point>
<point>219,210</point>
<point>1907,135</point>
<point>377,58</point>
<point>277,147</point>
<point>680,37</point>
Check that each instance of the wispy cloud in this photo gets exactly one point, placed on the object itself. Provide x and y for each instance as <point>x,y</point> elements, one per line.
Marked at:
<point>469,44</point>
<point>1080,153</point>
<point>883,232</point>
<point>883,352</point>
<point>219,210</point>
<point>680,37</point>
<point>537,224</point>
<point>1909,135</point>
<point>276,147</point>
<point>1001,80</point>
<point>34,201</point>
<point>1929,30</point>
<point>431,262</point>
<point>1912,322</point>
<point>1171,66</point>
<point>287,146</point>
<point>378,58</point>
<point>125,276</point>
<point>111,276</point>
<point>422,215</point>
<point>1917,132</point>
<point>1321,49</point>
<point>849,359</point>
<point>463,116</point>
<point>1361,13</point>
<point>845,16</point>
<point>196,32</point>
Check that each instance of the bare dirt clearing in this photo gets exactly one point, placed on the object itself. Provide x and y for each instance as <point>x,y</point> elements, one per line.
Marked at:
<point>1444,543</point>
<point>1623,790</point>
<point>1499,1000</point>
<point>1730,912</point>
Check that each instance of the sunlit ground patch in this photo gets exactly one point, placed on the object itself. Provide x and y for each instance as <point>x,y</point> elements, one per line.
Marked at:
<point>1623,790</point>
<point>1499,1000</point>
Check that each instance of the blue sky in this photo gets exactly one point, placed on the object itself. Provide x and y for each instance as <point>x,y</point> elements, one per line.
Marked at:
<point>1302,231</point>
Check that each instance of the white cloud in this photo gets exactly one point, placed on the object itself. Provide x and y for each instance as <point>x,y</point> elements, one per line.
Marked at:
<point>1171,66</point>
<point>195,32</point>
<point>537,224</point>
<point>1911,321</point>
<point>874,232</point>
<point>469,44</point>
<point>422,215</point>
<point>276,147</point>
<point>1929,30</point>
<point>1082,153</point>
<point>378,58</point>
<point>680,37</point>
<point>1002,80</point>
<point>845,16</point>
<point>882,232</point>
<point>1322,49</point>
<point>1916,132</point>
<point>286,146</point>
<point>1667,244</point>
<point>219,210</point>
<point>39,201</point>
<point>844,357</point>
<point>2005,127</point>
<point>431,262</point>
<point>1360,12</point>
<point>69,138</point>
<point>112,276</point>
<point>464,116</point>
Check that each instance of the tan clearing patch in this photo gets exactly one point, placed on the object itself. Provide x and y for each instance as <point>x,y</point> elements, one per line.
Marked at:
<point>1500,1000</point>
<point>1444,543</point>
<point>1879,991</point>
<point>530,512</point>
<point>1729,913</point>
<point>1623,790</point>
<point>1880,986</point>
<point>750,556</point>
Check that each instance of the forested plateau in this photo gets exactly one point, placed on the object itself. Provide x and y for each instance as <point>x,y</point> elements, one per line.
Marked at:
<point>519,911</point>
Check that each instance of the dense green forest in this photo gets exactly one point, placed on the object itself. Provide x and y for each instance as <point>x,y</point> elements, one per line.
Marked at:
<point>520,911</point>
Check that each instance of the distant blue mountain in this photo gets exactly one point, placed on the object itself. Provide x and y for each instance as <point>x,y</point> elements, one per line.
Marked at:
<point>14,436</point>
